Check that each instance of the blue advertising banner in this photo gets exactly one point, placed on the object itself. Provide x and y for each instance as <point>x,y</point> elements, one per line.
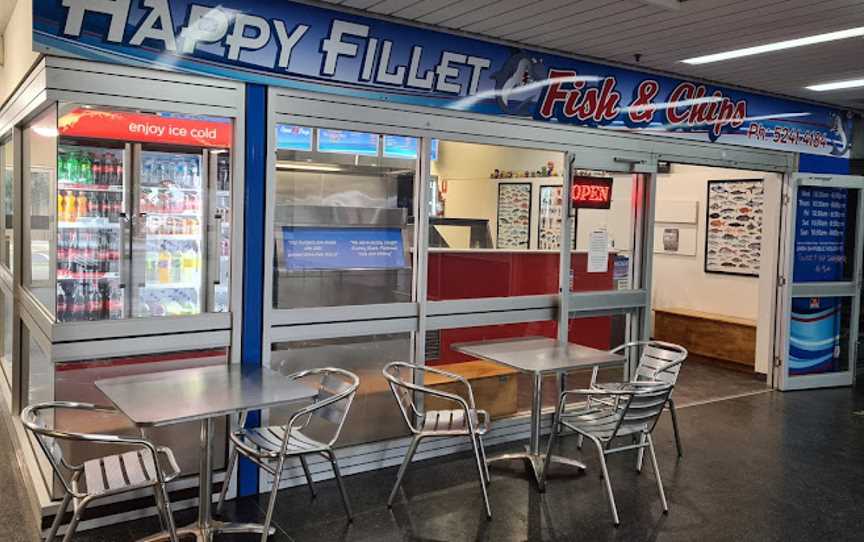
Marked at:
<point>814,339</point>
<point>342,248</point>
<point>310,48</point>
<point>821,224</point>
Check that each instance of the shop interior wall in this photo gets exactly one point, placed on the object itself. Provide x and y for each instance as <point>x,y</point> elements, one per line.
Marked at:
<point>18,55</point>
<point>680,281</point>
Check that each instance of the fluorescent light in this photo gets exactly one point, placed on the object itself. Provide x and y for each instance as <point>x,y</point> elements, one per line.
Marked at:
<point>778,46</point>
<point>306,167</point>
<point>837,85</point>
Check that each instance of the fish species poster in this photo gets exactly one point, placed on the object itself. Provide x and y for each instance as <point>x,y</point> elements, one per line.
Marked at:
<point>733,230</point>
<point>514,216</point>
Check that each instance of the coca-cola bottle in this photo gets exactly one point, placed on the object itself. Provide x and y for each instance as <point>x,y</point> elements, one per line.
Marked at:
<point>115,302</point>
<point>61,303</point>
<point>76,304</point>
<point>94,303</point>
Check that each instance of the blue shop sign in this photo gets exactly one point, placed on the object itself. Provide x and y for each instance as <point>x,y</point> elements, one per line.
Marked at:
<point>310,48</point>
<point>306,248</point>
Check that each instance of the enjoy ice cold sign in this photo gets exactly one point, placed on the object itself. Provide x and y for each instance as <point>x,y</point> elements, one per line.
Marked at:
<point>312,48</point>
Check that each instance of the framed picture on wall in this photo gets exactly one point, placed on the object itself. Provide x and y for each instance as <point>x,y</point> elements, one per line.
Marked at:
<point>549,218</point>
<point>514,216</point>
<point>733,226</point>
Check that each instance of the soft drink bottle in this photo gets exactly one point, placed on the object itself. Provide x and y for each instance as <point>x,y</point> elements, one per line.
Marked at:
<point>77,305</point>
<point>86,169</point>
<point>118,171</point>
<point>115,303</point>
<point>62,168</point>
<point>72,168</point>
<point>61,303</point>
<point>94,302</point>
<point>98,169</point>
<point>83,205</point>
<point>181,173</point>
<point>193,173</point>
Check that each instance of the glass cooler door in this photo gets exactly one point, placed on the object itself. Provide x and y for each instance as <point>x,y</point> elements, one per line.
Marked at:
<point>91,212</point>
<point>219,268</point>
<point>169,239</point>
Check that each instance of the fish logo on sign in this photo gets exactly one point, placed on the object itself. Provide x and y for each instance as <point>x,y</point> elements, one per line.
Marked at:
<point>513,81</point>
<point>838,130</point>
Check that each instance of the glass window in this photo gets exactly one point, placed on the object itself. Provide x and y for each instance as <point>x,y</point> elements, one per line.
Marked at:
<point>604,226</point>
<point>7,160</point>
<point>40,146</point>
<point>374,414</point>
<point>494,221</point>
<point>144,222</point>
<point>6,335</point>
<point>344,218</point>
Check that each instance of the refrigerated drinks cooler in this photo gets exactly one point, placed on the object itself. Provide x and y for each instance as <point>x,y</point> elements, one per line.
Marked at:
<point>143,207</point>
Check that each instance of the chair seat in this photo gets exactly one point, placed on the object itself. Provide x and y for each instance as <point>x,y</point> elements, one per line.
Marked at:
<point>453,422</point>
<point>126,471</point>
<point>266,442</point>
<point>601,422</point>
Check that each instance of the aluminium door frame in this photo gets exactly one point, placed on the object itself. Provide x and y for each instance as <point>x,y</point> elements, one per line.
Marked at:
<point>788,290</point>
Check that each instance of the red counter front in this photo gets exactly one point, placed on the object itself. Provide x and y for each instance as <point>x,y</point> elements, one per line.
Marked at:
<point>480,274</point>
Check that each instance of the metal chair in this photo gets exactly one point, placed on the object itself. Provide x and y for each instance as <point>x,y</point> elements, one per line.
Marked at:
<point>270,447</point>
<point>660,362</point>
<point>464,420</point>
<point>632,411</point>
<point>139,468</point>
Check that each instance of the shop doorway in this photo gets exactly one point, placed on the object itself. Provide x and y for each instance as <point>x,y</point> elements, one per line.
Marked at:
<point>714,265</point>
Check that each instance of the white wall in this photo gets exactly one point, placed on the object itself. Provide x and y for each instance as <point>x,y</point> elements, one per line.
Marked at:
<point>681,282</point>
<point>18,48</point>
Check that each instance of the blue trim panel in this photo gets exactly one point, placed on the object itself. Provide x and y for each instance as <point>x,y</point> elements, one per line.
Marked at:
<point>815,163</point>
<point>255,173</point>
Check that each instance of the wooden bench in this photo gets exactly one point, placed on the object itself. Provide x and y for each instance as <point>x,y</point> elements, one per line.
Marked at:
<point>717,336</point>
<point>494,386</point>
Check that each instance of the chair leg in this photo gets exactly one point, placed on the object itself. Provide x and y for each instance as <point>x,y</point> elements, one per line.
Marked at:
<point>408,455</point>
<point>483,457</point>
<point>640,455</point>
<point>657,475</point>
<point>556,425</point>
<point>675,427</point>
<point>160,510</point>
<point>58,519</point>
<point>169,516</point>
<point>232,462</point>
<point>76,517</point>
<point>338,475</point>
<point>271,504</point>
<point>579,442</point>
<point>608,483</point>
<point>308,475</point>
<point>481,471</point>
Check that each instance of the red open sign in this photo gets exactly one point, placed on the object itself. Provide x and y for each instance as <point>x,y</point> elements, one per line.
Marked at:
<point>591,193</point>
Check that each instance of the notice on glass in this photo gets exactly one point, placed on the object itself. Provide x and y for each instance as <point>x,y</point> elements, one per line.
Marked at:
<point>598,251</point>
<point>342,248</point>
<point>821,234</point>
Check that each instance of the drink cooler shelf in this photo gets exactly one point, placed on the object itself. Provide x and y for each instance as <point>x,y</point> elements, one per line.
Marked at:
<point>173,285</point>
<point>64,185</point>
<point>88,225</point>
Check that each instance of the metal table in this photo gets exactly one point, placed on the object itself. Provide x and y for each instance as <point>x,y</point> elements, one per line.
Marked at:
<point>201,394</point>
<point>539,356</point>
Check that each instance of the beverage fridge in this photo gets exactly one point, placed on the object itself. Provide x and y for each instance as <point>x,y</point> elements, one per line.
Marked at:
<point>143,226</point>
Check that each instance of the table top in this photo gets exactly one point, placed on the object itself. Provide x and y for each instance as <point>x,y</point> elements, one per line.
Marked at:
<point>169,397</point>
<point>540,354</point>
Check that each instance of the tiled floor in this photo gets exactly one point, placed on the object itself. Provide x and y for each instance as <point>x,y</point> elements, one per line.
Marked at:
<point>763,467</point>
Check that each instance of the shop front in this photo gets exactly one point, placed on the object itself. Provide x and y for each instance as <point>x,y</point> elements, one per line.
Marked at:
<point>297,187</point>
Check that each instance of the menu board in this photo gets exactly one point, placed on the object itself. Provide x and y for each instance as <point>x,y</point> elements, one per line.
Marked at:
<point>405,147</point>
<point>821,238</point>
<point>346,142</point>
<point>293,138</point>
<point>307,248</point>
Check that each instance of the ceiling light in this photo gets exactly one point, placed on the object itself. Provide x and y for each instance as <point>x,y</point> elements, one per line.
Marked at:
<point>778,46</point>
<point>837,85</point>
<point>306,167</point>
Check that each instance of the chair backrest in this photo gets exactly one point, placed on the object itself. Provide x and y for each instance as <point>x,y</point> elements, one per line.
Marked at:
<point>400,377</point>
<point>39,420</point>
<point>643,408</point>
<point>660,361</point>
<point>336,391</point>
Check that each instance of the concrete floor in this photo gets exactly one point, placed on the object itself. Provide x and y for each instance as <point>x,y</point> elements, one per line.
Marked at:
<point>764,467</point>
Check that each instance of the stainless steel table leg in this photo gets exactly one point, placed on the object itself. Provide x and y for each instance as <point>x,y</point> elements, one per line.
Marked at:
<point>532,456</point>
<point>205,528</point>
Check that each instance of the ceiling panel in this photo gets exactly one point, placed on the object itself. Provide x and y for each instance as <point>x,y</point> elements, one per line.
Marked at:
<point>617,30</point>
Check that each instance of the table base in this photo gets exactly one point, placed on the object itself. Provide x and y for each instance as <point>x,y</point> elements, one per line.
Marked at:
<point>534,463</point>
<point>207,532</point>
